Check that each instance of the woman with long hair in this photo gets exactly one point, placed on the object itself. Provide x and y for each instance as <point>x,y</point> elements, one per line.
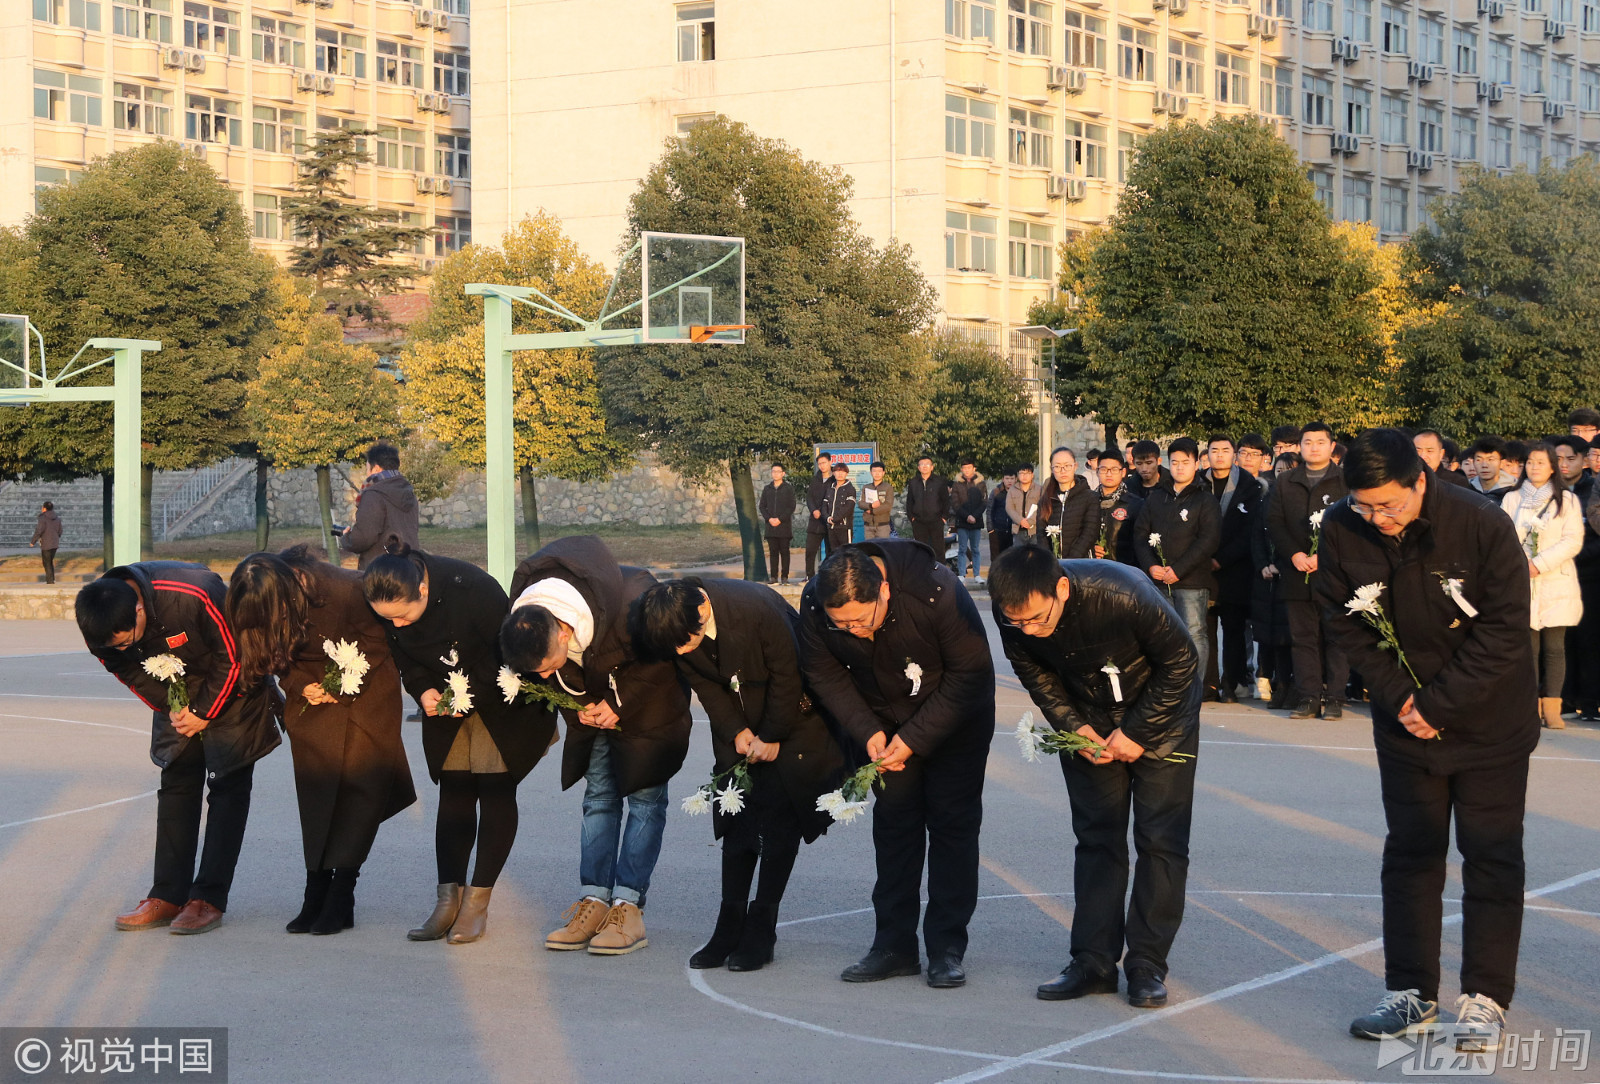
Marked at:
<point>350,769</point>
<point>1549,520</point>
<point>443,619</point>
<point>1069,511</point>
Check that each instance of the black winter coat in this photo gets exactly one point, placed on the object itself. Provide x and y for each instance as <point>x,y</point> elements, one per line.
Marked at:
<point>650,699</point>
<point>999,518</point>
<point>1268,614</point>
<point>1113,616</point>
<point>777,502</point>
<point>1077,515</point>
<point>756,644</point>
<point>183,606</point>
<point>1289,519</point>
<point>1118,514</point>
<point>1478,683</point>
<point>1241,514</point>
<point>466,607</point>
<point>839,508</point>
<point>1190,528</point>
<point>1137,487</point>
<point>968,499</point>
<point>928,502</point>
<point>816,501</point>
<point>931,623</point>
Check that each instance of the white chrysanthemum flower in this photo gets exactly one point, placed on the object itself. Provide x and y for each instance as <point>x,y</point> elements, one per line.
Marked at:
<point>1028,738</point>
<point>730,799</point>
<point>830,802</point>
<point>1316,520</point>
<point>849,811</point>
<point>510,683</point>
<point>697,803</point>
<point>164,667</point>
<point>1053,529</point>
<point>460,693</point>
<point>1370,593</point>
<point>1155,540</point>
<point>733,683</point>
<point>349,682</point>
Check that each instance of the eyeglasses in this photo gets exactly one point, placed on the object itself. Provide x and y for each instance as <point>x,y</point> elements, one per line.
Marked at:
<point>852,626</point>
<point>1387,511</point>
<point>1032,622</point>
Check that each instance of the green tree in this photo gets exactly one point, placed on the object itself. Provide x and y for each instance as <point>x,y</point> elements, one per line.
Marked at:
<point>559,426</point>
<point>1072,307</point>
<point>149,244</point>
<point>1221,297</point>
<point>345,249</point>
<point>833,354</point>
<point>1508,340</point>
<point>977,406</point>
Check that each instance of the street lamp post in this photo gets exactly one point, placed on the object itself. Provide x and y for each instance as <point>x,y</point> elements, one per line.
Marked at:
<point>1041,332</point>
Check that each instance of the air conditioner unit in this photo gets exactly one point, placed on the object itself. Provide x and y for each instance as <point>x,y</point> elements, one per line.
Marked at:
<point>1077,189</point>
<point>1347,50</point>
<point>1556,29</point>
<point>196,149</point>
<point>194,61</point>
<point>1497,92</point>
<point>174,58</point>
<point>1178,7</point>
<point>1055,186</point>
<point>421,17</point>
<point>1264,27</point>
<point>1180,105</point>
<point>324,84</point>
<point>1419,72</point>
<point>441,20</point>
<point>1158,5</point>
<point>1163,102</point>
<point>1057,78</point>
<point>424,184</point>
<point>305,80</point>
<point>1555,110</point>
<point>1346,143</point>
<point>443,185</point>
<point>1421,161</point>
<point>1495,9</point>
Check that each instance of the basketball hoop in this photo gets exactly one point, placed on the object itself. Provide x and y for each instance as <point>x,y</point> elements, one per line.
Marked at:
<point>699,333</point>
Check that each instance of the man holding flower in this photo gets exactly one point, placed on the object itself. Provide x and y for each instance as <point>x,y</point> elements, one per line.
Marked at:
<point>1426,588</point>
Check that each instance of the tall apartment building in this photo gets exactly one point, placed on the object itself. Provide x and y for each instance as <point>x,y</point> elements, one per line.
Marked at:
<point>983,132</point>
<point>243,84</point>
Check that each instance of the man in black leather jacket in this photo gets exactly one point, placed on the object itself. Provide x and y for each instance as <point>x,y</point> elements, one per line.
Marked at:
<point>1103,653</point>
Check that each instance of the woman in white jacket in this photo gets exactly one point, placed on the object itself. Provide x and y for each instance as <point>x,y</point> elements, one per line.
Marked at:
<point>1549,520</point>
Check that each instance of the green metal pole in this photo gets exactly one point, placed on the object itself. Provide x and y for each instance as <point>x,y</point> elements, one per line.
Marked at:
<point>499,449</point>
<point>127,435</point>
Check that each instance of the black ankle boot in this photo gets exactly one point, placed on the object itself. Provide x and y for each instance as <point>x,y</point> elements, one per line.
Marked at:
<point>317,882</point>
<point>760,936</point>
<point>730,924</point>
<point>339,909</point>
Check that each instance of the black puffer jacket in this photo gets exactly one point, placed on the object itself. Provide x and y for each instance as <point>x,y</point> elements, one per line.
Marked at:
<point>1118,513</point>
<point>1289,509</point>
<point>1190,527</point>
<point>1114,616</point>
<point>1241,512</point>
<point>1077,515</point>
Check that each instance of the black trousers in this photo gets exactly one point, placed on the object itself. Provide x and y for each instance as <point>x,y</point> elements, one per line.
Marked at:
<point>813,545</point>
<point>1582,688</point>
<point>1232,618</point>
<point>178,806</point>
<point>930,535</point>
<point>933,809</point>
<point>838,538</point>
<point>1488,805</point>
<point>999,542</point>
<point>1318,659</point>
<point>1161,798</point>
<point>49,565</point>
<point>777,558</point>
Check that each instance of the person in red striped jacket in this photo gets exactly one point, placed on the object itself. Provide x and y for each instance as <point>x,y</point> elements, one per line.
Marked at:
<point>207,728</point>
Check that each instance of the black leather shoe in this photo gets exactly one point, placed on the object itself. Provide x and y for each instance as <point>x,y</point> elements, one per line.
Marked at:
<point>879,964</point>
<point>946,973</point>
<point>1077,981</point>
<point>1225,696</point>
<point>1146,990</point>
<point>1333,709</point>
<point>1305,709</point>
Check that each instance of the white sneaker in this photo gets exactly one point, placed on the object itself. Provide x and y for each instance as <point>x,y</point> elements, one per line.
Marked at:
<point>1263,689</point>
<point>1479,1024</point>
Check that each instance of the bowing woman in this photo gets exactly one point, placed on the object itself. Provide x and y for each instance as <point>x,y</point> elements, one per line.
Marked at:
<point>735,641</point>
<point>443,619</point>
<point>350,769</point>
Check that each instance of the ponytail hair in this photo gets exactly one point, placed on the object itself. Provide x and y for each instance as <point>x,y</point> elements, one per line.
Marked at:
<point>396,576</point>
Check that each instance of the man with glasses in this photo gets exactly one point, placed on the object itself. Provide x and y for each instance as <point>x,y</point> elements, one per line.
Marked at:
<point>894,650</point>
<point>1584,422</point>
<point>1454,724</point>
<point>1104,654</point>
<point>1119,510</point>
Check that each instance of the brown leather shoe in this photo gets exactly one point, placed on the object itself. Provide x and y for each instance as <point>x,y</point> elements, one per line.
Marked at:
<point>582,920</point>
<point>622,932</point>
<point>197,916</point>
<point>149,915</point>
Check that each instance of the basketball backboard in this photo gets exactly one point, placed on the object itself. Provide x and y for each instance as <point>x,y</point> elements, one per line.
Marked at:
<point>16,354</point>
<point>689,281</point>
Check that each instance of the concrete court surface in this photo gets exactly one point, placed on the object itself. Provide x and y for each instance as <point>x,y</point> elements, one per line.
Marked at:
<point>1277,953</point>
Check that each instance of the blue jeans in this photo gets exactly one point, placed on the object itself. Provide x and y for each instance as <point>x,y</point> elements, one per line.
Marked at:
<point>1191,606</point>
<point>617,860</point>
<point>967,539</point>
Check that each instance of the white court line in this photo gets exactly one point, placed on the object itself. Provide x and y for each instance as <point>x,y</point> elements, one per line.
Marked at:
<point>58,696</point>
<point>70,812</point>
<point>43,655</point>
<point>75,722</point>
<point>1362,749</point>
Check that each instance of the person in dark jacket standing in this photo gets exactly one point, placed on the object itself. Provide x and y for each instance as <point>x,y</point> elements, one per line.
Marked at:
<point>1581,693</point>
<point>816,501</point>
<point>1119,510</point>
<point>47,536</point>
<point>735,644</point>
<point>840,509</point>
<point>1454,722</point>
<point>1238,496</point>
<point>350,769</point>
<point>569,625</point>
<point>1103,654</point>
<point>1429,444</point>
<point>148,615</point>
<point>1321,670</point>
<point>928,506</point>
<point>1148,473</point>
<point>999,518</point>
<point>969,496</point>
<point>1183,515</point>
<point>776,509</point>
<point>894,650</point>
<point>1069,515</point>
<point>386,511</point>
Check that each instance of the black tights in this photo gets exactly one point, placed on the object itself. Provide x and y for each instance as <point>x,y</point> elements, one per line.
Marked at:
<point>461,796</point>
<point>776,853</point>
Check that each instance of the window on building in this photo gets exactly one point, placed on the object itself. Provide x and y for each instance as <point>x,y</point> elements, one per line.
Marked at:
<point>452,156</point>
<point>1530,149</point>
<point>1395,122</point>
<point>1591,15</point>
<point>1233,78</point>
<point>1186,66</point>
<point>1396,29</point>
<point>279,131</point>
<point>1465,41</point>
<point>76,99</point>
<point>1561,10</point>
<point>1317,15</point>
<point>210,29</point>
<point>276,41</point>
<point>1084,147</point>
<point>1464,137</point>
<point>971,242</point>
<point>1394,209</point>
<point>1127,147</point>
<point>1534,7</point>
<point>1086,40</point>
<point>1029,25</point>
<point>398,64</point>
<point>1032,251</point>
<point>1430,129</point>
<point>83,14</point>
<point>1031,139</point>
<point>1357,109</point>
<point>413,220</point>
<point>213,120</point>
<point>401,148</point>
<point>1357,200</point>
<point>1560,152</point>
<point>973,19</point>
<point>1532,71</point>
<point>1136,54</point>
<point>46,177</point>
<point>1282,9</point>
<point>697,33</point>
<point>968,126</point>
<point>341,54</point>
<point>1500,61</point>
<point>1358,19</point>
<point>452,233</point>
<point>1277,90</point>
<point>1430,40</point>
<point>1560,80</point>
<point>147,19</point>
<point>687,122</point>
<point>1316,100</point>
<point>450,72</point>
<point>1499,146</point>
<point>1322,187</point>
<point>265,224</point>
<point>1589,89</point>
<point>138,108</point>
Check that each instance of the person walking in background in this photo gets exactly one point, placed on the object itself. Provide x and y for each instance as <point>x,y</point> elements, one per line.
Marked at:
<point>47,536</point>
<point>841,509</point>
<point>1238,496</point>
<point>1069,515</point>
<point>1022,505</point>
<point>776,509</point>
<point>1184,518</point>
<point>928,506</point>
<point>969,496</point>
<point>816,500</point>
<point>1119,510</point>
<point>999,518</point>
<point>1549,522</point>
<point>877,504</point>
<point>386,510</point>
